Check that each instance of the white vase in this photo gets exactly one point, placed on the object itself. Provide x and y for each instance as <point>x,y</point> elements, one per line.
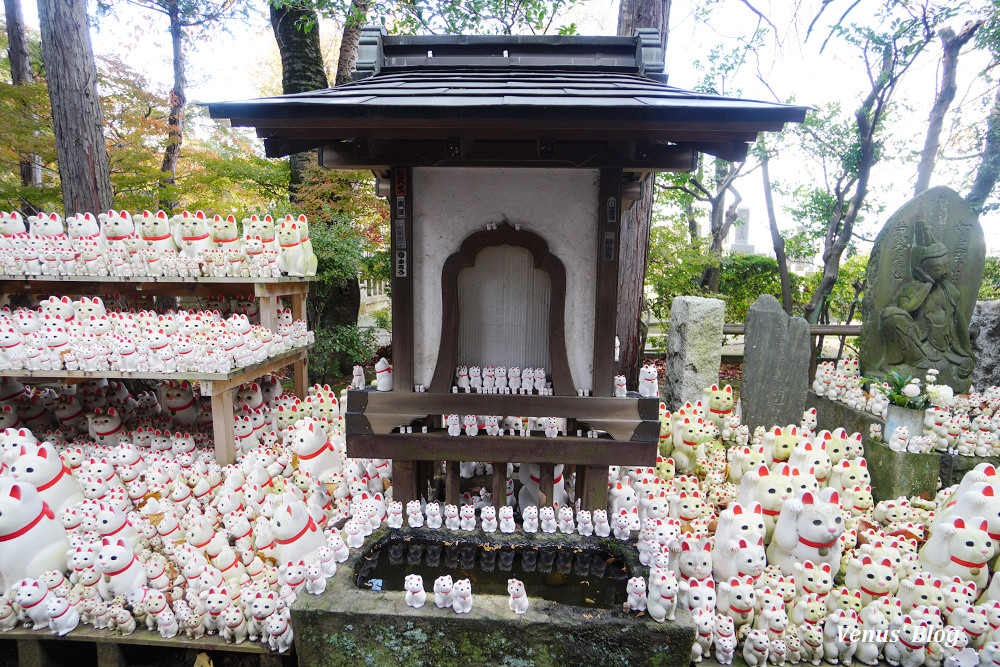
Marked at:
<point>897,416</point>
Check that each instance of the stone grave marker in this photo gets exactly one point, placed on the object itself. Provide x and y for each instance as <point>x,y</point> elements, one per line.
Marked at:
<point>776,353</point>
<point>986,344</point>
<point>694,349</point>
<point>923,277</point>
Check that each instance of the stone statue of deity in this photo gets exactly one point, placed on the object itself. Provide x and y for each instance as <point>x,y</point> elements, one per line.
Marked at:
<point>923,329</point>
<point>923,278</point>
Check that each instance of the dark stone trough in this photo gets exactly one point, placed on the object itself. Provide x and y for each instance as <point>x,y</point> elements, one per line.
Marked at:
<point>348,625</point>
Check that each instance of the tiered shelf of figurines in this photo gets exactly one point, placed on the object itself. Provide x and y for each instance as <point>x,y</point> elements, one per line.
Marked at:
<point>126,268</point>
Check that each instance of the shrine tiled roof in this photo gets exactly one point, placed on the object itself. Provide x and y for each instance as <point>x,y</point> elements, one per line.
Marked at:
<point>461,87</point>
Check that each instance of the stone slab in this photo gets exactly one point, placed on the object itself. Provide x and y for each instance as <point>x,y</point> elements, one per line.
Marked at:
<point>954,467</point>
<point>350,626</point>
<point>834,414</point>
<point>776,358</point>
<point>694,349</point>
<point>901,300</point>
<point>896,474</point>
<point>985,327</point>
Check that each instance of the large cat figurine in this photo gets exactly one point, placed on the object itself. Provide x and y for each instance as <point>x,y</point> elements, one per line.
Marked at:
<point>293,258</point>
<point>32,539</point>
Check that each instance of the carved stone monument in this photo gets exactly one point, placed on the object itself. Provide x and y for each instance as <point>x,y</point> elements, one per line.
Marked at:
<point>923,278</point>
<point>776,353</point>
<point>694,348</point>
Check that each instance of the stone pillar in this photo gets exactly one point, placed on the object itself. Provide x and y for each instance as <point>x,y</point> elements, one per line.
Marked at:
<point>694,348</point>
<point>776,354</point>
<point>985,327</point>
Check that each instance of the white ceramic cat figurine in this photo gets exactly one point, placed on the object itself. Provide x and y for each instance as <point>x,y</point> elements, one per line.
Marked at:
<point>293,258</point>
<point>415,594</point>
<point>648,382</point>
<point>442,591</point>
<point>518,597</point>
<point>32,539</point>
<point>383,375</point>
<point>462,596</point>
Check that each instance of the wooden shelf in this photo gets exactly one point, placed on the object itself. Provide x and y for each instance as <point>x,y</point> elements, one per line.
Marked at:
<point>285,286</point>
<point>42,648</point>
<point>219,386</point>
<point>211,383</point>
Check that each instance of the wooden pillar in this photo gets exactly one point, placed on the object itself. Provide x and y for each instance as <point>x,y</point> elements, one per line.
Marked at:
<point>592,487</point>
<point>609,200</point>
<point>499,489</point>
<point>545,483</point>
<point>31,653</point>
<point>401,249</point>
<point>452,484</point>
<point>109,654</point>
<point>222,426</point>
<point>404,482</point>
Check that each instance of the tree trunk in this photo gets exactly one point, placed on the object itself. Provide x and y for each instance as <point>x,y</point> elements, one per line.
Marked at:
<point>776,238</point>
<point>722,221</point>
<point>178,102</point>
<point>77,119</point>
<point>302,70</point>
<point>21,74</point>
<point>353,23</point>
<point>989,165</point>
<point>636,221</point>
<point>840,227</point>
<point>951,45</point>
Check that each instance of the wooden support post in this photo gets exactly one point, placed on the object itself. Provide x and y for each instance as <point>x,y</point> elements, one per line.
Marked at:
<point>452,484</point>
<point>545,478</point>
<point>298,306</point>
<point>109,654</point>
<point>592,487</point>
<point>300,371</point>
<point>30,653</point>
<point>609,202</point>
<point>404,483</point>
<point>268,659</point>
<point>499,490</point>
<point>402,268</point>
<point>222,427</point>
<point>268,308</point>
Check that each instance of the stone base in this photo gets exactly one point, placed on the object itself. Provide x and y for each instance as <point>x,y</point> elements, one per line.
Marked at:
<point>897,471</point>
<point>954,467</point>
<point>896,474</point>
<point>834,414</point>
<point>350,626</point>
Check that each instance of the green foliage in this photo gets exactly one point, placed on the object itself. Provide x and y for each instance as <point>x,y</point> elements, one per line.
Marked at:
<point>337,350</point>
<point>894,384</point>
<point>743,278</point>
<point>383,318</point>
<point>990,288</point>
<point>674,267</point>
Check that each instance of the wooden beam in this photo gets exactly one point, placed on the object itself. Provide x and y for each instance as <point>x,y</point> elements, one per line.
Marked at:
<point>506,153</point>
<point>402,267</point>
<point>586,408</point>
<point>210,382</point>
<point>609,206</point>
<point>438,446</point>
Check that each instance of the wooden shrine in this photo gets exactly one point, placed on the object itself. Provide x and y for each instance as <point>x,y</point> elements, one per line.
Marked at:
<point>507,161</point>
